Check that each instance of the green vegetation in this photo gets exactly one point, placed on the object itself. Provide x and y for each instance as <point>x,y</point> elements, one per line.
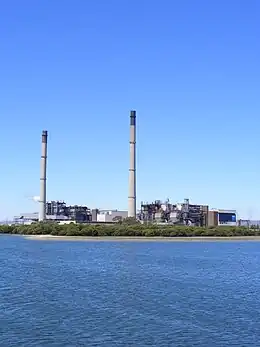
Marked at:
<point>128,228</point>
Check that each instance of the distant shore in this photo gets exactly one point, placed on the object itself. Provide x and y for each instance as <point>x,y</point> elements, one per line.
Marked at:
<point>143,239</point>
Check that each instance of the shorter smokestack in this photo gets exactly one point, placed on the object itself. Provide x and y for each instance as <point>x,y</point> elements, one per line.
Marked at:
<point>132,167</point>
<point>42,201</point>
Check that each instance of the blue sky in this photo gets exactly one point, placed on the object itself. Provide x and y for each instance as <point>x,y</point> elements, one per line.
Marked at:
<point>76,68</point>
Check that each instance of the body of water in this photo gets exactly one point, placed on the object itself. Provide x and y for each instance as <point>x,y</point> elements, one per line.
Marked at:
<point>66,293</point>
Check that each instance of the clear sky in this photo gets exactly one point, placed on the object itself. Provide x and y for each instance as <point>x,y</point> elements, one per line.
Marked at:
<point>191,70</point>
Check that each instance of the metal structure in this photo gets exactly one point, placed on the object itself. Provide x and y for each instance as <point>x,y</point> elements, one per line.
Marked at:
<point>180,214</point>
<point>56,208</point>
<point>249,223</point>
<point>76,213</point>
<point>132,167</point>
<point>79,213</point>
<point>43,177</point>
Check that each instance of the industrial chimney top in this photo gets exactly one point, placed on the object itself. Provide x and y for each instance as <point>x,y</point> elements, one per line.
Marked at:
<point>132,117</point>
<point>44,136</point>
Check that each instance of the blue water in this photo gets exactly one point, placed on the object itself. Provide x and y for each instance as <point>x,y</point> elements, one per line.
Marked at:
<point>65,293</point>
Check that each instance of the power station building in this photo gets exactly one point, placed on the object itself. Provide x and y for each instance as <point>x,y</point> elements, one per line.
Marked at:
<point>111,216</point>
<point>59,211</point>
<point>81,213</point>
<point>183,213</point>
<point>76,213</point>
<point>222,218</point>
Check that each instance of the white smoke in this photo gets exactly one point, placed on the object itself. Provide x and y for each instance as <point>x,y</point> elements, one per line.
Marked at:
<point>36,198</point>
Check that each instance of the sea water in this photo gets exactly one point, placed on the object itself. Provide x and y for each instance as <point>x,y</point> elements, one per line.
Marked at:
<point>80,293</point>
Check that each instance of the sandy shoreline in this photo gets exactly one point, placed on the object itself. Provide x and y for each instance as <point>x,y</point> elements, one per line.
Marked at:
<point>142,239</point>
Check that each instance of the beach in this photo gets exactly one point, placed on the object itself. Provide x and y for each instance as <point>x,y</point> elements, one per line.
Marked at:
<point>142,239</point>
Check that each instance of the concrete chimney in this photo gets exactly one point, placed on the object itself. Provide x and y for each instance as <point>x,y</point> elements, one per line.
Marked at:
<point>42,201</point>
<point>132,167</point>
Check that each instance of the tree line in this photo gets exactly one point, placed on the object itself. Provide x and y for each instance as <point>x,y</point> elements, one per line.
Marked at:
<point>128,228</point>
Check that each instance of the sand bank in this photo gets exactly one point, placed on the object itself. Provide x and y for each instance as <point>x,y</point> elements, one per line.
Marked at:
<point>142,239</point>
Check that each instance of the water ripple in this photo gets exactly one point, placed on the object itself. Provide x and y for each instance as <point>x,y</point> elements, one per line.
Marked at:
<point>128,294</point>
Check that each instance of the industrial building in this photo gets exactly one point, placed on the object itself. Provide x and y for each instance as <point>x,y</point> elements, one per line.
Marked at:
<point>111,216</point>
<point>76,213</point>
<point>248,223</point>
<point>31,217</point>
<point>165,212</point>
<point>82,213</point>
<point>59,211</point>
<point>222,218</point>
<point>185,214</point>
<point>157,212</point>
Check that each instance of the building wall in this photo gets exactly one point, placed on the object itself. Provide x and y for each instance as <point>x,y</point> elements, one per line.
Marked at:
<point>222,218</point>
<point>205,209</point>
<point>108,216</point>
<point>94,214</point>
<point>213,218</point>
<point>227,217</point>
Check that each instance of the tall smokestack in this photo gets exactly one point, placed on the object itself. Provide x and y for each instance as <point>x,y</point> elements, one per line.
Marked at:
<point>132,168</point>
<point>42,201</point>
